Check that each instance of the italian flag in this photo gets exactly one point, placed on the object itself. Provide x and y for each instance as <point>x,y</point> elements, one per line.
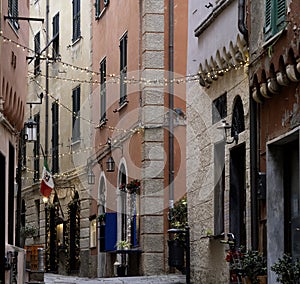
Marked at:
<point>47,183</point>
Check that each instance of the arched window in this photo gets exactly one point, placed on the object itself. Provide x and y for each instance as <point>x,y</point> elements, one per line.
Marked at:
<point>238,121</point>
<point>123,202</point>
<point>101,196</point>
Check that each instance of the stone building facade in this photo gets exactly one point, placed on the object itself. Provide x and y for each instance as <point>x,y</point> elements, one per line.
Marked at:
<point>218,160</point>
<point>91,117</point>
<point>59,87</point>
<point>133,116</point>
<point>13,91</point>
<point>274,83</point>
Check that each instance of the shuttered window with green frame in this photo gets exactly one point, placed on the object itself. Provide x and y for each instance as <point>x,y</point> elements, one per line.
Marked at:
<point>275,13</point>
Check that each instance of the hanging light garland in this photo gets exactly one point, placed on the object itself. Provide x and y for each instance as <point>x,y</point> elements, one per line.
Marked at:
<point>179,80</point>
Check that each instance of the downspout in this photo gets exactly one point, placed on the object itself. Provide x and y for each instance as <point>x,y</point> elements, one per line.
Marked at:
<point>253,173</point>
<point>253,138</point>
<point>171,107</point>
<point>47,82</point>
<point>242,19</point>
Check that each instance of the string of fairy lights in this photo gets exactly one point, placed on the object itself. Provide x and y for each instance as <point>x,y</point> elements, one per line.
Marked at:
<point>113,79</point>
<point>165,81</point>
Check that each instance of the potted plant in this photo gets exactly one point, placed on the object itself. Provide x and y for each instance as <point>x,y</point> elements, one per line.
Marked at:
<point>178,220</point>
<point>29,231</point>
<point>123,245</point>
<point>287,270</point>
<point>254,265</point>
<point>133,186</point>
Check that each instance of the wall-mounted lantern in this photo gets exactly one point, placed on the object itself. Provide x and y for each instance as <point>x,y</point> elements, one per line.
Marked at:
<point>30,130</point>
<point>110,164</point>
<point>226,126</point>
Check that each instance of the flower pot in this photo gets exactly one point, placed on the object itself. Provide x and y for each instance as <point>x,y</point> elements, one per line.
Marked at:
<point>262,279</point>
<point>121,270</point>
<point>176,253</point>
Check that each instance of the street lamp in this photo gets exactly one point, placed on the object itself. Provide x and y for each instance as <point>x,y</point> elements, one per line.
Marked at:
<point>30,130</point>
<point>91,176</point>
<point>110,164</point>
<point>30,126</point>
<point>226,126</point>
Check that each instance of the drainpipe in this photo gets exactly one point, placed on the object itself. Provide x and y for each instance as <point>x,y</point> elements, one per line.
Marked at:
<point>47,82</point>
<point>171,107</point>
<point>242,19</point>
<point>253,173</point>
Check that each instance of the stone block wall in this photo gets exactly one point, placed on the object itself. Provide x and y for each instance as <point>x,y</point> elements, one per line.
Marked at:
<point>152,199</point>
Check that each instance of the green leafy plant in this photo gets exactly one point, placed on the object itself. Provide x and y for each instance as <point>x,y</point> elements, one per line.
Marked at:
<point>29,231</point>
<point>123,244</point>
<point>253,264</point>
<point>133,186</point>
<point>287,270</point>
<point>101,218</point>
<point>178,218</point>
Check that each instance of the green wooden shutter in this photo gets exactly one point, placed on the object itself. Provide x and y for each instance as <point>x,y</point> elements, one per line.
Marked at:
<point>280,14</point>
<point>268,23</point>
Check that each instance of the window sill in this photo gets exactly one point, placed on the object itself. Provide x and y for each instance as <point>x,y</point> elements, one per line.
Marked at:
<point>273,38</point>
<point>124,103</point>
<point>76,142</point>
<point>14,28</point>
<point>75,41</point>
<point>98,17</point>
<point>102,123</point>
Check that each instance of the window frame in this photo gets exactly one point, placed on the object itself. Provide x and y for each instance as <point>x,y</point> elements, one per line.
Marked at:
<point>76,114</point>
<point>36,149</point>
<point>13,11</point>
<point>219,108</point>
<point>103,91</point>
<point>37,50</point>
<point>275,16</point>
<point>100,7</point>
<point>55,35</point>
<point>219,189</point>
<point>76,20</point>
<point>123,68</point>
<point>55,139</point>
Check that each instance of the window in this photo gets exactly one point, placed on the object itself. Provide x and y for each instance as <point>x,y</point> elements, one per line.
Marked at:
<point>238,121</point>
<point>76,113</point>
<point>11,195</point>
<point>274,17</point>
<point>55,29</point>
<point>23,149</point>
<point>55,138</point>
<point>123,69</point>
<point>219,108</point>
<point>37,50</point>
<point>36,150</point>
<point>76,20</point>
<point>93,233</point>
<point>38,215</point>
<point>219,176</point>
<point>103,90</point>
<point>13,11</point>
<point>100,5</point>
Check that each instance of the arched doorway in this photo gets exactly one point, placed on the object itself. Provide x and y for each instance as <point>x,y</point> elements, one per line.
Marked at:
<point>101,227</point>
<point>237,194</point>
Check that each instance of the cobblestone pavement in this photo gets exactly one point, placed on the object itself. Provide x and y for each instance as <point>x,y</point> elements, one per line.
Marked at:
<point>161,279</point>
